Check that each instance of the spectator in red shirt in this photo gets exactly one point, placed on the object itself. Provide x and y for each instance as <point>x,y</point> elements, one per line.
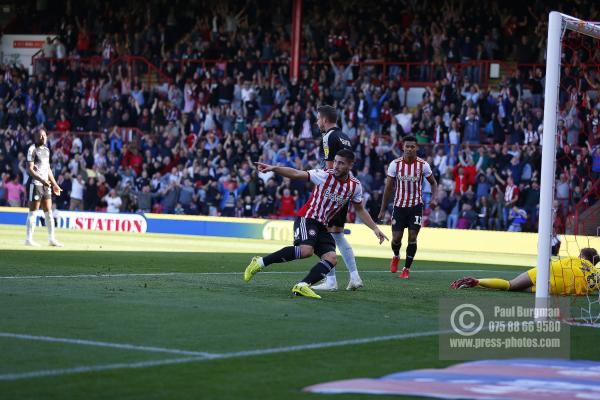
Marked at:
<point>288,204</point>
<point>461,183</point>
<point>466,161</point>
<point>386,115</point>
<point>133,159</point>
<point>83,42</point>
<point>63,124</point>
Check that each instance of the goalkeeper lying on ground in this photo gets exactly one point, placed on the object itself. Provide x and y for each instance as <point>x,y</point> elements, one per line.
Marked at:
<point>568,276</point>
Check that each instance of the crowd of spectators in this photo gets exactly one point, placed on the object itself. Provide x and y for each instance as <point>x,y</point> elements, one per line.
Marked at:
<point>391,30</point>
<point>120,144</point>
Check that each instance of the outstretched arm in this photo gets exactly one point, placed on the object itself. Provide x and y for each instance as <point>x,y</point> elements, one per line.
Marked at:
<point>286,172</point>
<point>499,178</point>
<point>366,218</point>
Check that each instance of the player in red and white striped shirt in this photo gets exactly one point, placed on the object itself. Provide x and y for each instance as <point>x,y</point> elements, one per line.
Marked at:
<point>333,189</point>
<point>322,204</point>
<point>407,174</point>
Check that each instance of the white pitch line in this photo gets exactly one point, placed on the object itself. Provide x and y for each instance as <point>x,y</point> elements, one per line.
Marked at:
<point>113,275</point>
<point>123,346</point>
<point>94,368</point>
<point>322,345</point>
<point>158,274</point>
<point>213,356</point>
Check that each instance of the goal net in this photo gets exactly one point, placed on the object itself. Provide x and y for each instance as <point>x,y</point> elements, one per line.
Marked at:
<point>569,211</point>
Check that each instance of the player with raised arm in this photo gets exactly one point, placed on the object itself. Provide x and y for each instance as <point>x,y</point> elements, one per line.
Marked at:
<point>333,189</point>
<point>406,173</point>
<point>40,186</point>
<point>568,276</point>
<point>333,141</point>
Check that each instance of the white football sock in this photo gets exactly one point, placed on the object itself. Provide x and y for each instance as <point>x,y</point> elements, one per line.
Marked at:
<point>345,250</point>
<point>29,225</point>
<point>331,278</point>
<point>50,224</point>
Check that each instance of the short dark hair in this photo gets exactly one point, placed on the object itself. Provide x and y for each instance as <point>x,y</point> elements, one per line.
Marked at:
<point>36,135</point>
<point>590,254</point>
<point>347,154</point>
<point>409,138</point>
<point>329,112</point>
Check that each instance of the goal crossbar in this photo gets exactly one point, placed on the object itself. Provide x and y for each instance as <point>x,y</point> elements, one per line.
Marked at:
<point>588,28</point>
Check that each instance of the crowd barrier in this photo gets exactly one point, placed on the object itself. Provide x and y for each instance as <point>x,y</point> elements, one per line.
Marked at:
<point>435,244</point>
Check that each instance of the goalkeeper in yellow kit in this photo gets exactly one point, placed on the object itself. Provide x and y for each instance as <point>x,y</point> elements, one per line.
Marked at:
<point>568,276</point>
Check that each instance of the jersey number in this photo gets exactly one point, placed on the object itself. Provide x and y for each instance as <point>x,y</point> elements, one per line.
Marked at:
<point>418,220</point>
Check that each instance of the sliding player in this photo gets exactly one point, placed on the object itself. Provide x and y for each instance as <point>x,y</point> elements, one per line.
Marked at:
<point>333,189</point>
<point>568,276</point>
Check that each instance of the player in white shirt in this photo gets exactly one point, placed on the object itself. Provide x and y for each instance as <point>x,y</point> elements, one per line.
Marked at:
<point>40,186</point>
<point>406,174</point>
<point>334,188</point>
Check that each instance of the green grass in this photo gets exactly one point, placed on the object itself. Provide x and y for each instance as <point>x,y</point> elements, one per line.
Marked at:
<point>216,313</point>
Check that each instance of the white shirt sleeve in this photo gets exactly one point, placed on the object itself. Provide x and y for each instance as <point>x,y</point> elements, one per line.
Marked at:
<point>357,196</point>
<point>427,170</point>
<point>317,176</point>
<point>30,153</point>
<point>392,169</point>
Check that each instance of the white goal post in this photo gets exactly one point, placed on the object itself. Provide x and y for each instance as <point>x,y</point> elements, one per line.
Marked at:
<point>557,24</point>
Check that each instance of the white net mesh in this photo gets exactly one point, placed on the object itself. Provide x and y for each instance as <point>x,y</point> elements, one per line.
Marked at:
<point>585,306</point>
<point>576,210</point>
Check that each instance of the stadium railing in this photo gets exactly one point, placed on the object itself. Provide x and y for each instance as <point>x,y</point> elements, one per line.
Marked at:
<point>136,66</point>
<point>585,223</point>
<point>410,74</point>
<point>126,134</point>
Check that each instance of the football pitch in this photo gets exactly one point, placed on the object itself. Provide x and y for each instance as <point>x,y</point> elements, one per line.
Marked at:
<point>169,317</point>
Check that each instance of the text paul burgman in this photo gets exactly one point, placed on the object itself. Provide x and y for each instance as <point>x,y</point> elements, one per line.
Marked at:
<point>524,312</point>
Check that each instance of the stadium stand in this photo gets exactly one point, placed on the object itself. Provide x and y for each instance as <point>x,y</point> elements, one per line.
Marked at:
<point>168,110</point>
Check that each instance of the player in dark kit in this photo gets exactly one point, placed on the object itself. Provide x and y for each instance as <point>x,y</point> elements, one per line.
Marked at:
<point>40,186</point>
<point>335,140</point>
<point>333,189</point>
<point>407,173</point>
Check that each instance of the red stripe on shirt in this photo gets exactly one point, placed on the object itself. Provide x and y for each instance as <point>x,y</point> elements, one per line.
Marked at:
<point>410,185</point>
<point>342,191</point>
<point>420,198</point>
<point>409,192</point>
<point>322,202</point>
<point>315,201</point>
